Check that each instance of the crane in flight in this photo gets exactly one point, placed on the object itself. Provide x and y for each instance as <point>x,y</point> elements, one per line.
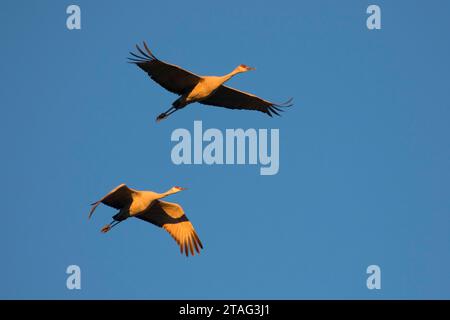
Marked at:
<point>207,90</point>
<point>147,206</point>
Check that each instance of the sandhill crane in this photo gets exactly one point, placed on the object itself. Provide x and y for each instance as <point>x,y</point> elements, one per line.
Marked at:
<point>208,90</point>
<point>147,206</point>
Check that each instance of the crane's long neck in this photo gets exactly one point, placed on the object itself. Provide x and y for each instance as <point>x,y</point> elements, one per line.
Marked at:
<point>167,193</point>
<point>228,76</point>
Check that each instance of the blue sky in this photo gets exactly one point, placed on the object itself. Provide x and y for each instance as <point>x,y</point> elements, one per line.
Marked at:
<point>364,153</point>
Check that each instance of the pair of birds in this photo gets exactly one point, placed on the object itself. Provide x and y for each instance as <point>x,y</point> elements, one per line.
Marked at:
<point>208,90</point>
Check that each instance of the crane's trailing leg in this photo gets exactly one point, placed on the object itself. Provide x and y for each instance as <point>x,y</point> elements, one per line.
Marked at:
<point>117,218</point>
<point>109,226</point>
<point>164,115</point>
<point>178,104</point>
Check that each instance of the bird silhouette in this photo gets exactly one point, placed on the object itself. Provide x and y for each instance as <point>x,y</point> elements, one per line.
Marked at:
<point>147,206</point>
<point>207,90</point>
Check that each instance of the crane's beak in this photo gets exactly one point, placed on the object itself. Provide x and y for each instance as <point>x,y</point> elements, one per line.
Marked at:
<point>180,188</point>
<point>251,68</point>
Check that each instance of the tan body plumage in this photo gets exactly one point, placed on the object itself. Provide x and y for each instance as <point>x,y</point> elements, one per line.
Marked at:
<point>207,90</point>
<point>147,206</point>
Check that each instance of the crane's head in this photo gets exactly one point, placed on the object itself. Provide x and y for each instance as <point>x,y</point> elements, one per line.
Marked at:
<point>244,68</point>
<point>176,189</point>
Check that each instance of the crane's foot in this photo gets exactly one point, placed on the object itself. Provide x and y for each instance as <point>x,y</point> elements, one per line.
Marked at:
<point>162,116</point>
<point>106,228</point>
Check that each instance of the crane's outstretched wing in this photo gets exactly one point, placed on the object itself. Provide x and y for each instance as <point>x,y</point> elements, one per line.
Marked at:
<point>169,76</point>
<point>118,198</point>
<point>234,99</point>
<point>171,217</point>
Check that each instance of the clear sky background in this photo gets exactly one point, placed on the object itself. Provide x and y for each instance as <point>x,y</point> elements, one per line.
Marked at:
<point>364,153</point>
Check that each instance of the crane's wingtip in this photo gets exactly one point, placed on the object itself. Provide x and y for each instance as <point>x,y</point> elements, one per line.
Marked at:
<point>148,50</point>
<point>273,110</point>
<point>139,59</point>
<point>286,104</point>
<point>143,57</point>
<point>277,107</point>
<point>95,204</point>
